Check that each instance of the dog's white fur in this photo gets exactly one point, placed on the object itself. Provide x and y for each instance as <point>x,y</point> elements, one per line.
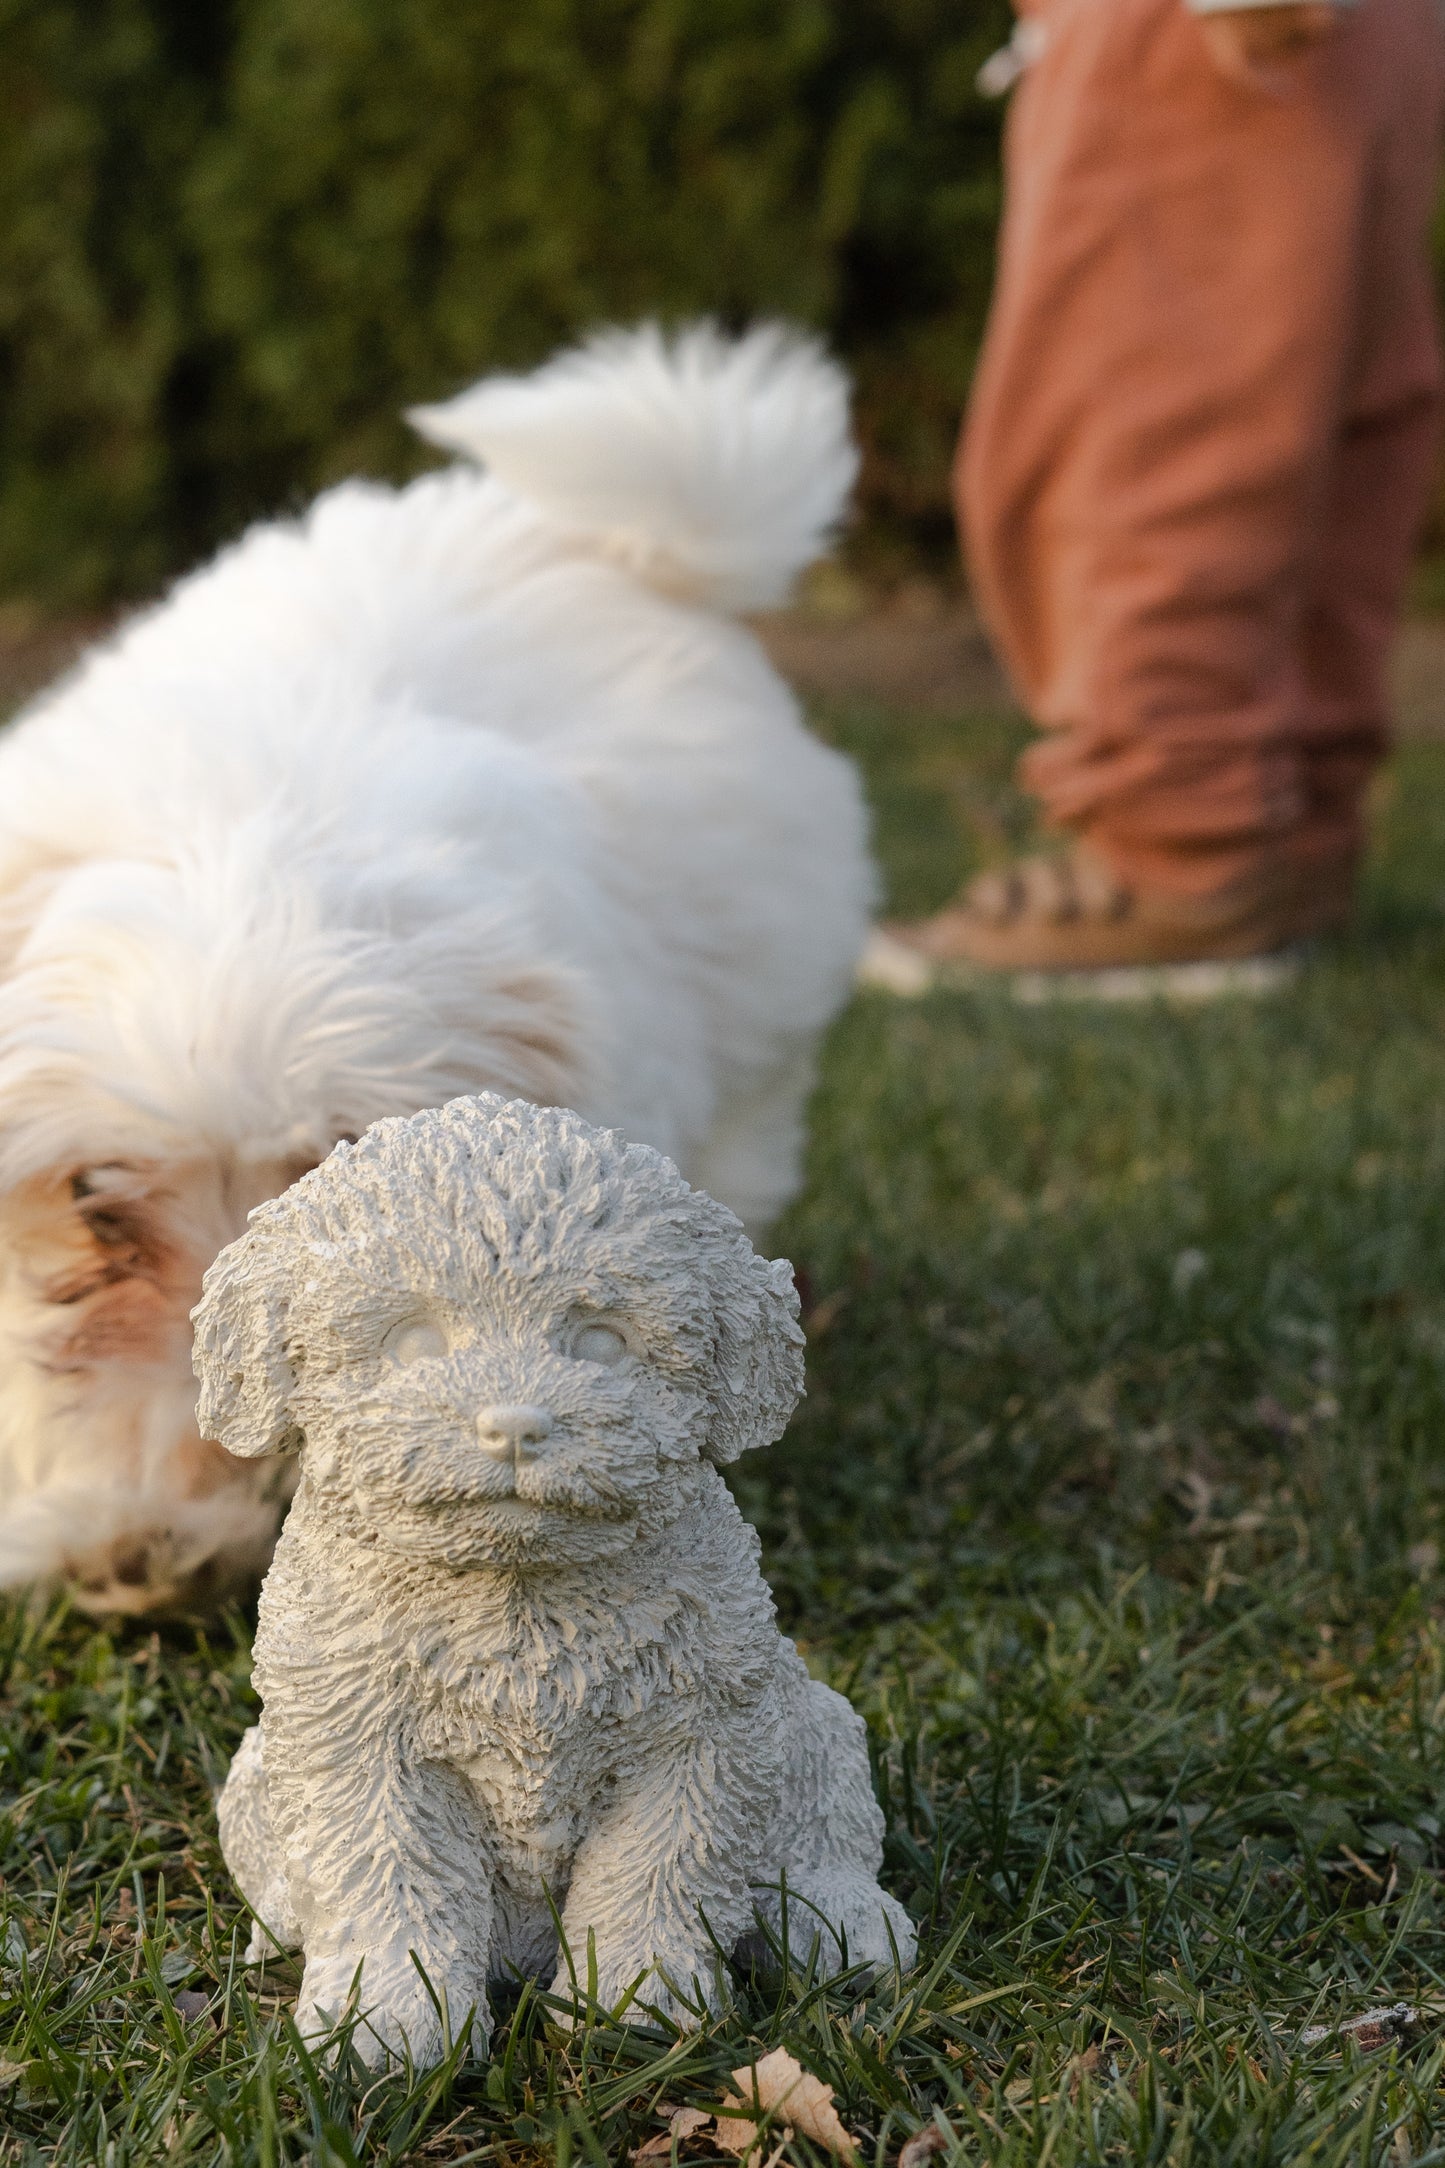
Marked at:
<point>514,1650</point>
<point>458,786</point>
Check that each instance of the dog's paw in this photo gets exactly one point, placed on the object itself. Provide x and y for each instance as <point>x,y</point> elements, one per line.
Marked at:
<point>395,2016</point>
<point>274,1926</point>
<point>847,1915</point>
<point>881,1934</point>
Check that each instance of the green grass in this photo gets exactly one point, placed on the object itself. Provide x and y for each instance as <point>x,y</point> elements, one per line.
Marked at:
<point>1118,1505</point>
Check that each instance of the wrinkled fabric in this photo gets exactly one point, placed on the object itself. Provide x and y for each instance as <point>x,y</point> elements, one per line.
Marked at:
<point>1203,429</point>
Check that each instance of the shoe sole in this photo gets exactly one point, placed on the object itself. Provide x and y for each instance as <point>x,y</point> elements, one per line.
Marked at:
<point>889,966</point>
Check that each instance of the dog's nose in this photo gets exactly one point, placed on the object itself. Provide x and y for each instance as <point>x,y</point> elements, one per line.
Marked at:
<point>512,1433</point>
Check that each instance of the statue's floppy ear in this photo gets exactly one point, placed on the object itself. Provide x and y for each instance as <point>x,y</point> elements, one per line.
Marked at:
<point>759,1379</point>
<point>240,1352</point>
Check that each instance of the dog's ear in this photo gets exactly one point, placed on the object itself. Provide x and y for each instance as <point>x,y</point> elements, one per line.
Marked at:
<point>240,1352</point>
<point>759,1377</point>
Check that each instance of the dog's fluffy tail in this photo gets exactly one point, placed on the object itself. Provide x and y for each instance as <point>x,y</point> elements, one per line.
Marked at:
<point>716,468</point>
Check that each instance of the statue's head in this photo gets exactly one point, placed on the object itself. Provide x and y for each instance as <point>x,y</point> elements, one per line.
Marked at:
<point>499,1335</point>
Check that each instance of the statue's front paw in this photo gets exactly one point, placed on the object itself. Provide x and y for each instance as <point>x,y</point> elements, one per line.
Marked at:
<point>878,1929</point>
<point>846,1915</point>
<point>274,1926</point>
<point>396,2016</point>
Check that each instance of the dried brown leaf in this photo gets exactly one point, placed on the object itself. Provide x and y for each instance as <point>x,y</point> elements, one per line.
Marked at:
<point>681,2123</point>
<point>734,2133</point>
<point>1084,2066</point>
<point>776,2084</point>
<point>922,2146</point>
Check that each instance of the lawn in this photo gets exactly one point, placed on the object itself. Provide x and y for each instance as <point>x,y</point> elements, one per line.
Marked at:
<point>1117,1505</point>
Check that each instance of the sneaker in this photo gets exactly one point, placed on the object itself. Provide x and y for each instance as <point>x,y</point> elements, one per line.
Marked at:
<point>1070,912</point>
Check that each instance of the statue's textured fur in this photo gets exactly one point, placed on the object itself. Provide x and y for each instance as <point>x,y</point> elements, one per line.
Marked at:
<point>515,1650</point>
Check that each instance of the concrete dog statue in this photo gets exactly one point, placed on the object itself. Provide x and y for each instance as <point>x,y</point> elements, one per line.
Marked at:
<point>515,1650</point>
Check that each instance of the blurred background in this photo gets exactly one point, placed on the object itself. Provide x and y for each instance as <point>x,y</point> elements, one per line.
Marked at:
<point>235,238</point>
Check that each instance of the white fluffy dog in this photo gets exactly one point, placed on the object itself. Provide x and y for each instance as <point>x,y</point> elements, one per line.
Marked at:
<point>514,1649</point>
<point>457,786</point>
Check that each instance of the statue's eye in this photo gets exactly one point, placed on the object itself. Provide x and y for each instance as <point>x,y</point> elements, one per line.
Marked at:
<point>598,1344</point>
<point>416,1341</point>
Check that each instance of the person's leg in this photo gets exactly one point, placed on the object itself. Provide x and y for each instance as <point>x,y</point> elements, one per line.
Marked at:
<point>1385,458</point>
<point>1148,470</point>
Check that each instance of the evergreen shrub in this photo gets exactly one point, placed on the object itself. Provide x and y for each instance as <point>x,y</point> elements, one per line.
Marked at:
<point>235,240</point>
<point>101,112</point>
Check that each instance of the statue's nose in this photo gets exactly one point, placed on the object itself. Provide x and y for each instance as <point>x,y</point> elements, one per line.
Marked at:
<point>512,1433</point>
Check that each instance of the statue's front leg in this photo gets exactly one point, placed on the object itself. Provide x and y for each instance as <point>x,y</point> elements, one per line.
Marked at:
<point>663,1881</point>
<point>389,1869</point>
<point>827,1846</point>
<point>251,1850</point>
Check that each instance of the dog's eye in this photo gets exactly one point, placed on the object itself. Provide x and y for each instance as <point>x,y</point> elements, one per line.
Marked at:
<point>95,1181</point>
<point>415,1342</point>
<point>598,1344</point>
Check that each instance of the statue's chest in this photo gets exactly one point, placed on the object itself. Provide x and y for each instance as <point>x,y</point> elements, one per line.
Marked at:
<point>545,1728</point>
<point>541,1790</point>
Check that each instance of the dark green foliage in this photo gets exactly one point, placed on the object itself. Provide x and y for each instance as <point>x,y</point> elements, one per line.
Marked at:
<point>398,192</point>
<point>98,115</point>
<point>234,241</point>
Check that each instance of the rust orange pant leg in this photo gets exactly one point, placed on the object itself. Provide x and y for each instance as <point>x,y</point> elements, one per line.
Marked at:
<point>1202,431</point>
